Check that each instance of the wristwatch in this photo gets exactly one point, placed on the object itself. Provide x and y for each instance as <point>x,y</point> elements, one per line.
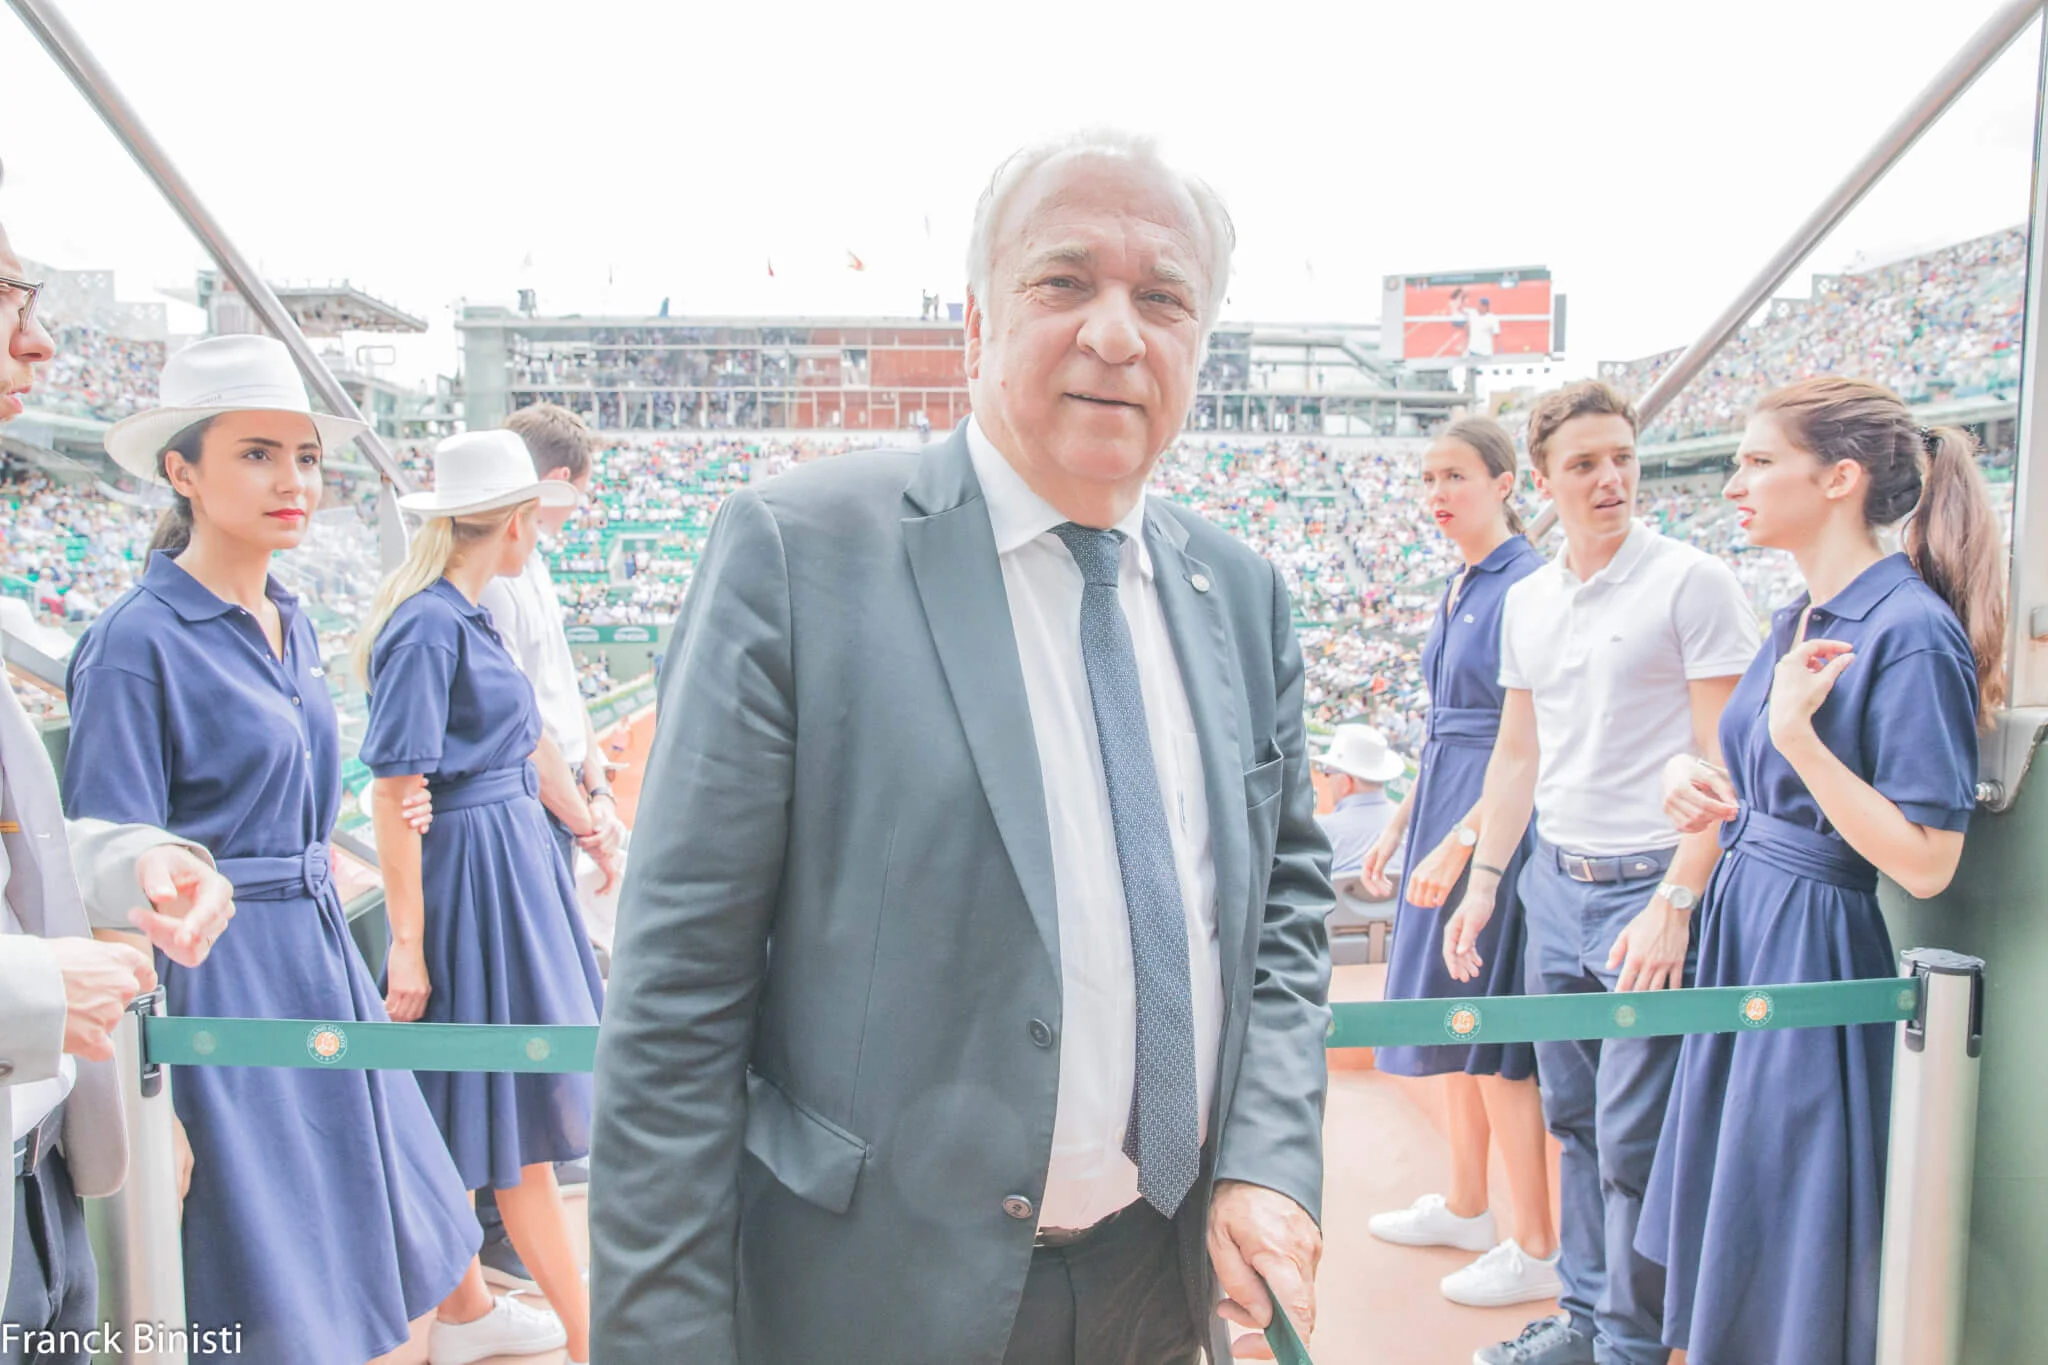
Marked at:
<point>1677,897</point>
<point>1466,836</point>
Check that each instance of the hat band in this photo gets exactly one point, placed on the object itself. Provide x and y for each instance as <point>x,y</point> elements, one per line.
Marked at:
<point>262,395</point>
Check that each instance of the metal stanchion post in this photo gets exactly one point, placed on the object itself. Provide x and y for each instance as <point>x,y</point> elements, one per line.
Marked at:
<point>1933,1147</point>
<point>146,1270</point>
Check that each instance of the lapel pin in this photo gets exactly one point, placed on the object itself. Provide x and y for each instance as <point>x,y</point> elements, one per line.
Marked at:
<point>1199,582</point>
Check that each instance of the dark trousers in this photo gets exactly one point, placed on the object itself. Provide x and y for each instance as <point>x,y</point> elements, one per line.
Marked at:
<point>1115,1298</point>
<point>54,1286</point>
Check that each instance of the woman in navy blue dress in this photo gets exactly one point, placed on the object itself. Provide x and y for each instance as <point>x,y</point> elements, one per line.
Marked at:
<point>1851,745</point>
<point>1468,480</point>
<point>323,1215</point>
<point>484,919</point>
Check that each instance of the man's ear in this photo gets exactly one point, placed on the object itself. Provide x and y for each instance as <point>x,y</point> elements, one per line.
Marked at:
<point>560,473</point>
<point>972,323</point>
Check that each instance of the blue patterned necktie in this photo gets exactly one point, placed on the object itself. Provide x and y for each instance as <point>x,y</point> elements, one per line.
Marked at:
<point>1163,1135</point>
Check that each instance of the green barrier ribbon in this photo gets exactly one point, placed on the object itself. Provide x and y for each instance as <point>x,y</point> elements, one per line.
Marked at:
<point>352,1045</point>
<point>1639,1014</point>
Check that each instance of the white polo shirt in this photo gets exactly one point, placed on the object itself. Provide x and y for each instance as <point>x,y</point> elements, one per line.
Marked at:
<point>1607,661</point>
<point>528,617</point>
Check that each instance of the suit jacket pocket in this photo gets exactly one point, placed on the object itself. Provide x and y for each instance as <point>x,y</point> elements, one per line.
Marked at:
<point>813,1157</point>
<point>1262,782</point>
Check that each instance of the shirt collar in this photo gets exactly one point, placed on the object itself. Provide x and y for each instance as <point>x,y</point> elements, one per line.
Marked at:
<point>1378,798</point>
<point>1634,548</point>
<point>177,589</point>
<point>1018,515</point>
<point>1865,591</point>
<point>1504,554</point>
<point>453,596</point>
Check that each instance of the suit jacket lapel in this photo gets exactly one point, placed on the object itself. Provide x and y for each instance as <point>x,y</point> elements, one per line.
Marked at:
<point>1201,644</point>
<point>960,581</point>
<point>40,885</point>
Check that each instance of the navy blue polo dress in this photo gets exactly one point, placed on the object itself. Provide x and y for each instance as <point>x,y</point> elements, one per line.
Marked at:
<point>1461,662</point>
<point>324,1213</point>
<point>1766,1199</point>
<point>504,939</point>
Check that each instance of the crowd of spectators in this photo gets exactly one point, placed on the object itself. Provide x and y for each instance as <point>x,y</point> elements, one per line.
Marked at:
<point>97,374</point>
<point>1943,325</point>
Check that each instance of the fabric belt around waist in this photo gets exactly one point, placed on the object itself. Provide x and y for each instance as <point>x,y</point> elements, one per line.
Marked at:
<point>485,789</point>
<point>1054,1239</point>
<point>279,879</point>
<point>38,1142</point>
<point>1799,850</point>
<point>1623,867</point>
<point>1468,727</point>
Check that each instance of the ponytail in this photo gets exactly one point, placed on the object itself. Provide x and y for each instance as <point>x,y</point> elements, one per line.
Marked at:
<point>174,527</point>
<point>1954,543</point>
<point>435,546</point>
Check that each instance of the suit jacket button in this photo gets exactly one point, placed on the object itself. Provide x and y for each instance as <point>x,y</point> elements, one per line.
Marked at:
<point>1017,1206</point>
<point>1041,1033</point>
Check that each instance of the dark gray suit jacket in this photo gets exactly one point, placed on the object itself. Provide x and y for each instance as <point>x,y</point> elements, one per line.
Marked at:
<point>822,1070</point>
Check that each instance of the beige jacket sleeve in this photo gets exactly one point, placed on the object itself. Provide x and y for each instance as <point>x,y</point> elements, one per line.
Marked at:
<point>103,857</point>
<point>31,1010</point>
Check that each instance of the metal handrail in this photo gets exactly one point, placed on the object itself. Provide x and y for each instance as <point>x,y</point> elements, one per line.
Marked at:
<point>1985,46</point>
<point>69,51</point>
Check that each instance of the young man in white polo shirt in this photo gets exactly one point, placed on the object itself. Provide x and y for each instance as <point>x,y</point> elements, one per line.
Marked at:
<point>528,617</point>
<point>1615,658</point>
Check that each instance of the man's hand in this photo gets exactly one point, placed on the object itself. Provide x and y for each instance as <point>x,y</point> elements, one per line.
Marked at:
<point>1461,933</point>
<point>1255,1232</point>
<point>99,981</point>
<point>1651,950</point>
<point>190,904</point>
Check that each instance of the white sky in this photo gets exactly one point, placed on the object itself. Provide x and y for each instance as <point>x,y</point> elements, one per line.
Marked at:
<point>1651,155</point>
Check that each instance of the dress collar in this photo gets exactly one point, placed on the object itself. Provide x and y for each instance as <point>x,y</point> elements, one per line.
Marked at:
<point>177,589</point>
<point>1018,515</point>
<point>1865,591</point>
<point>453,596</point>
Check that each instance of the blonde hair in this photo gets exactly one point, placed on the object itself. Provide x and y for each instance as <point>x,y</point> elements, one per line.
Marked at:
<point>439,543</point>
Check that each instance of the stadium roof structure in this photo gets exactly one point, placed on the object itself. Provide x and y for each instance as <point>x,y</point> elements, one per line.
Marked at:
<point>327,310</point>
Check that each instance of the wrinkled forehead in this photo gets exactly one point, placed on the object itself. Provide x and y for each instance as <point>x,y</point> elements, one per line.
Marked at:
<point>10,264</point>
<point>1084,196</point>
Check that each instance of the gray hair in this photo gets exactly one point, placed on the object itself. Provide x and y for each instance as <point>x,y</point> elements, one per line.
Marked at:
<point>1218,235</point>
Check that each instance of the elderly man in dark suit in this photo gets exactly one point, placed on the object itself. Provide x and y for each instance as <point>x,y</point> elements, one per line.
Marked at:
<point>968,1005</point>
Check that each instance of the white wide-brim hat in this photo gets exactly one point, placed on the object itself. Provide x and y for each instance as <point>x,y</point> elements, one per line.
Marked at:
<point>209,379</point>
<point>481,471</point>
<point>1362,752</point>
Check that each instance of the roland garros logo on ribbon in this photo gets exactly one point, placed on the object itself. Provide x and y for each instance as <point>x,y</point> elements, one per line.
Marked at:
<point>326,1043</point>
<point>1756,1009</point>
<point>1461,1021</point>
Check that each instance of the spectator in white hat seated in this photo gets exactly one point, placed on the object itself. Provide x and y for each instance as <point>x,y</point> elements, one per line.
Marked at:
<point>1360,765</point>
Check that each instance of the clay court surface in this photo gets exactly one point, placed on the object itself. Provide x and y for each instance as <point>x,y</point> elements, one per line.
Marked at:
<point>1379,1304</point>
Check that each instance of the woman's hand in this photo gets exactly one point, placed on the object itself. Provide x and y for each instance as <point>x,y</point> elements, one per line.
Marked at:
<point>418,810</point>
<point>1373,872</point>
<point>183,1146</point>
<point>1429,885</point>
<point>407,987</point>
<point>1697,794</point>
<point>1799,685</point>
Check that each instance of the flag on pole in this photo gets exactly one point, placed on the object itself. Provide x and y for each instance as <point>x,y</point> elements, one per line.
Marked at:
<point>854,262</point>
<point>771,267</point>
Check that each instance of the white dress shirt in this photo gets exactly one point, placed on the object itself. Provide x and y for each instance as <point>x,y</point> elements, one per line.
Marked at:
<point>1090,1178</point>
<point>1607,661</point>
<point>32,1099</point>
<point>528,617</point>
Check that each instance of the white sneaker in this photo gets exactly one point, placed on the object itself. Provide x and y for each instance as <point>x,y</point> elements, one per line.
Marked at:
<point>1504,1275</point>
<point>509,1329</point>
<point>1428,1223</point>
